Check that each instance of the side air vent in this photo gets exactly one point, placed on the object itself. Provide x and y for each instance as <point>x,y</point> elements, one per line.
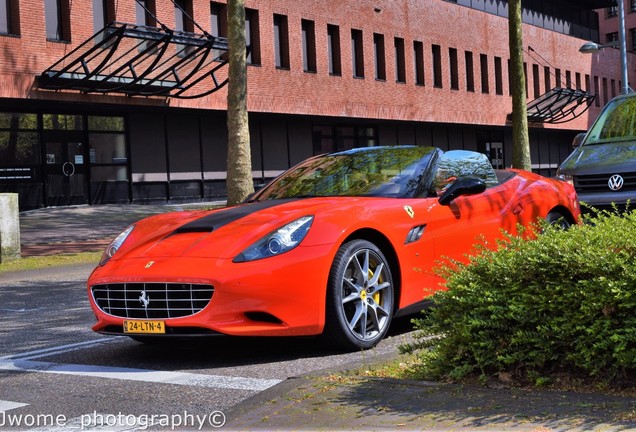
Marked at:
<point>415,234</point>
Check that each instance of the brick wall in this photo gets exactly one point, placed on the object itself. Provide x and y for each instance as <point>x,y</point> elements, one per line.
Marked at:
<point>293,91</point>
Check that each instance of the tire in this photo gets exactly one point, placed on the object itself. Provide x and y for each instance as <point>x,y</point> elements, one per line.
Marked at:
<point>360,296</point>
<point>556,218</point>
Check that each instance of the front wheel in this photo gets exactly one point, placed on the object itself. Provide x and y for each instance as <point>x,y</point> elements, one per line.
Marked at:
<point>359,296</point>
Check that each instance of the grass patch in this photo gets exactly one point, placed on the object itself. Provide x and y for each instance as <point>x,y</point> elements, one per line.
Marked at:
<point>33,263</point>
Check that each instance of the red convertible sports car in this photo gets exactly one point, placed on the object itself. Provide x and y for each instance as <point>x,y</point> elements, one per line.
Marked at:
<point>337,245</point>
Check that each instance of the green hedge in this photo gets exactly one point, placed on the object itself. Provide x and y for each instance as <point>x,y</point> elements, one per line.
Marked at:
<point>564,302</point>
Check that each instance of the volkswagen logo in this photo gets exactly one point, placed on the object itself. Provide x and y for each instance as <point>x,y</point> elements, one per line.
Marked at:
<point>615,182</point>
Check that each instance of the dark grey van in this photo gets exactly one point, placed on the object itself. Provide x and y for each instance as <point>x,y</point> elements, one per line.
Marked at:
<point>602,166</point>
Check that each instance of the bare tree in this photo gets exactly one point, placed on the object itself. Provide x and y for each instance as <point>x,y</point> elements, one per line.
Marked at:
<point>520,138</point>
<point>239,159</point>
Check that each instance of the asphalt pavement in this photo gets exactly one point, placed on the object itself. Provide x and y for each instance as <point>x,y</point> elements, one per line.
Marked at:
<point>348,399</point>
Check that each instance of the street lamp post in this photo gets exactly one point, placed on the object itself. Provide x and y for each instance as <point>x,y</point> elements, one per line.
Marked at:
<point>592,47</point>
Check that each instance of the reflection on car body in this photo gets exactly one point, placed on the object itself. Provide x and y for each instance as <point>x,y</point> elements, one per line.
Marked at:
<point>337,245</point>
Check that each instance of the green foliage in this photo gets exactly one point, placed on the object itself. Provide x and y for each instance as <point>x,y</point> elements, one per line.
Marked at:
<point>564,302</point>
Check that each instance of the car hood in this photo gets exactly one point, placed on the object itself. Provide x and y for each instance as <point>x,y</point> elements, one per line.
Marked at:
<point>607,158</point>
<point>222,233</point>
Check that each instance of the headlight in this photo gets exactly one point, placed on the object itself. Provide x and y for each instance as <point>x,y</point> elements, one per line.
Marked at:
<point>277,242</point>
<point>114,246</point>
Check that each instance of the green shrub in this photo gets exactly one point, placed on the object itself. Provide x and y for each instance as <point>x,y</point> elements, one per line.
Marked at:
<point>562,303</point>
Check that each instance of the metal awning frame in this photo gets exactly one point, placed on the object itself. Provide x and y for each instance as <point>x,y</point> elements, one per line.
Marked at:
<point>141,61</point>
<point>559,105</point>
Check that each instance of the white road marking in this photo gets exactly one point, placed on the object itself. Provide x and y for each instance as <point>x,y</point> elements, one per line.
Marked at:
<point>45,352</point>
<point>8,405</point>
<point>144,375</point>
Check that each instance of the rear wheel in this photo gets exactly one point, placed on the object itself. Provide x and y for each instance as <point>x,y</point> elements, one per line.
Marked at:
<point>556,218</point>
<point>359,296</point>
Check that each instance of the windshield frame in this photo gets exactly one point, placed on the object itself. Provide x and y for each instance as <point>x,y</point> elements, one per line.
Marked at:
<point>417,174</point>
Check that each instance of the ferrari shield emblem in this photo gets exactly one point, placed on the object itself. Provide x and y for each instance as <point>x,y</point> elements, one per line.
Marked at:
<point>150,263</point>
<point>409,211</point>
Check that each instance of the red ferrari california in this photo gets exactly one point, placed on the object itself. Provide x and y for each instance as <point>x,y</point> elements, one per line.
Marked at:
<point>337,245</point>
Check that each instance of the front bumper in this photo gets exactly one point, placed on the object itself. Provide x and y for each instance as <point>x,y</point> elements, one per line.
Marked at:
<point>604,200</point>
<point>277,296</point>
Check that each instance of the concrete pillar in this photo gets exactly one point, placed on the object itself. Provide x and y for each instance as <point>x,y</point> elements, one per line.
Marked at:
<point>9,227</point>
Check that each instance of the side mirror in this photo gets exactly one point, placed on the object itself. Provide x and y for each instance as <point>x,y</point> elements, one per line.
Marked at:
<point>578,140</point>
<point>462,186</point>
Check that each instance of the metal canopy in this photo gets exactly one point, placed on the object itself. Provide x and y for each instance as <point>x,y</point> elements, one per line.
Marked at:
<point>559,105</point>
<point>142,61</point>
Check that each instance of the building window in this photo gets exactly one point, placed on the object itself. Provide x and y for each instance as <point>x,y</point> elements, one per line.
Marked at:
<point>613,87</point>
<point>605,91</point>
<point>333,49</point>
<point>557,77</point>
<point>612,11</point>
<point>632,32</point>
<point>182,16</point>
<point>632,6</point>
<point>357,54</point>
<point>454,74</point>
<point>5,17</point>
<point>145,11</point>
<point>536,81</point>
<point>470,71</point>
<point>379,57</point>
<point>400,61</point>
<point>611,37</point>
<point>309,45</point>
<point>418,57</point>
<point>252,38</point>
<point>597,93</point>
<point>485,86</point>
<point>108,158</point>
<point>183,23</point>
<point>327,139</point>
<point>281,41</point>
<point>568,79</point>
<point>9,17</point>
<point>57,15</point>
<point>437,66</point>
<point>498,76</point>
<point>218,19</point>
<point>547,76</point>
<point>19,141</point>
<point>103,14</point>
<point>577,79</point>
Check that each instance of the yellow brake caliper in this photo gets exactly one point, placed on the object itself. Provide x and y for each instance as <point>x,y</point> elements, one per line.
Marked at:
<point>376,296</point>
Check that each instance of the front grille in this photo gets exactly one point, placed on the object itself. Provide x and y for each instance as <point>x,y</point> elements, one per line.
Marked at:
<point>598,182</point>
<point>152,300</point>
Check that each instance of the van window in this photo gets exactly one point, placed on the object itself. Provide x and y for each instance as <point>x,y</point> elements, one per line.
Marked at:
<point>616,123</point>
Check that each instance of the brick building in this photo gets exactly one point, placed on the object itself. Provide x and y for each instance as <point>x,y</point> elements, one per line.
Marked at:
<point>93,110</point>
<point>609,27</point>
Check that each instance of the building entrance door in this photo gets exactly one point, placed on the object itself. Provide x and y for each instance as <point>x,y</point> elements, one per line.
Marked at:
<point>66,182</point>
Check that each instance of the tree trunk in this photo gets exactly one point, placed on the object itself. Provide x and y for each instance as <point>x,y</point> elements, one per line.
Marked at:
<point>239,160</point>
<point>520,139</point>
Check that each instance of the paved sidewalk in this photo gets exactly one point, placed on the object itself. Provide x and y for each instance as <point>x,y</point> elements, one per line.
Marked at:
<point>74,229</point>
<point>328,403</point>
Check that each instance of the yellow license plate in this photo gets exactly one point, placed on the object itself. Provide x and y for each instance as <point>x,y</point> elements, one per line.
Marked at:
<point>146,327</point>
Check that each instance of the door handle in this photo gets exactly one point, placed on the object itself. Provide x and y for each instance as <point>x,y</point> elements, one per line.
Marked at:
<point>66,171</point>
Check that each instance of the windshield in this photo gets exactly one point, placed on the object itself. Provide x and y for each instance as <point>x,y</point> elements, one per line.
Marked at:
<point>615,123</point>
<point>375,171</point>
